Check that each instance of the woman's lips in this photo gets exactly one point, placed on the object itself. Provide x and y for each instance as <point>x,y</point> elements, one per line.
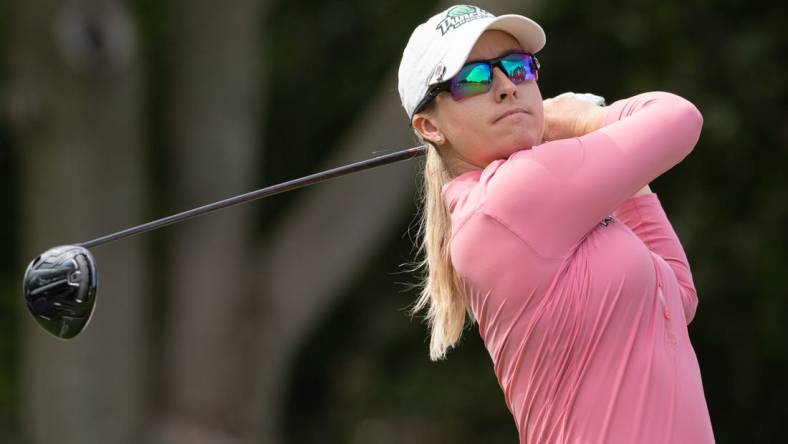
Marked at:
<point>510,112</point>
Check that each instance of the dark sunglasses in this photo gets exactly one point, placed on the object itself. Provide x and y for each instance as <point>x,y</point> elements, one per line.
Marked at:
<point>476,77</point>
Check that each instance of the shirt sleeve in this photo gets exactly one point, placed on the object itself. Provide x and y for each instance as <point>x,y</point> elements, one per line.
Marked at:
<point>553,194</point>
<point>647,219</point>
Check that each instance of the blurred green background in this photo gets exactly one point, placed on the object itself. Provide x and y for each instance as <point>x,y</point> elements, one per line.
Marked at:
<point>285,321</point>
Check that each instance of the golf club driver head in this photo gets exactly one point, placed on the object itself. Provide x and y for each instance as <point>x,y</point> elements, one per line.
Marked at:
<point>60,289</point>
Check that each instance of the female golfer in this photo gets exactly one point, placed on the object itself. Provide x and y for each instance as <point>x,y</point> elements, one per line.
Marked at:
<point>539,224</point>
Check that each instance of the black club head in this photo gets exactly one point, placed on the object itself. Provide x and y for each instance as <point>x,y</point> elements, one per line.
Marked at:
<point>60,289</point>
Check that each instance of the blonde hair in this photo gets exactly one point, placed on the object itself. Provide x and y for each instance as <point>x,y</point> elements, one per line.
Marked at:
<point>442,291</point>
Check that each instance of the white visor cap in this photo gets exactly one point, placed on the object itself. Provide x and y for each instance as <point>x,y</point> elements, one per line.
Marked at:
<point>438,48</point>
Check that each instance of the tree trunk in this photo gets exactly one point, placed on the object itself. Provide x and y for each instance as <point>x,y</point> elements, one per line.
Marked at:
<point>75,104</point>
<point>211,322</point>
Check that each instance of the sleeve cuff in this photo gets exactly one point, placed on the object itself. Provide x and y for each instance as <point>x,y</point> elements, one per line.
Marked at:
<point>615,112</point>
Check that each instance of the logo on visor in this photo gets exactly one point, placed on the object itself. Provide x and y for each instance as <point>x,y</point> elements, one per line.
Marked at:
<point>460,15</point>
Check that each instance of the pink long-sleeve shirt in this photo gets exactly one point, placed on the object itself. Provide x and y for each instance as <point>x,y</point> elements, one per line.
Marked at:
<point>582,292</point>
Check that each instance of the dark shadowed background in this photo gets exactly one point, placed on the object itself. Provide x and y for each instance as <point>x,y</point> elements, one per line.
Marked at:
<point>285,321</point>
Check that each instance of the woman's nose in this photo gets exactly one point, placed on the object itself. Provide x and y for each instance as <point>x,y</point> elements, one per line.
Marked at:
<point>502,85</point>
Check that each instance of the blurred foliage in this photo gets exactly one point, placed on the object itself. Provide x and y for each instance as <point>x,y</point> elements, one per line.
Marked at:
<point>365,373</point>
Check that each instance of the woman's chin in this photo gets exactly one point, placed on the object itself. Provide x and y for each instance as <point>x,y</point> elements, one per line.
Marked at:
<point>522,138</point>
<point>525,142</point>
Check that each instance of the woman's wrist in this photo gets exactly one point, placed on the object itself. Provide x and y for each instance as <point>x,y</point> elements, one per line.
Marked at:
<point>566,117</point>
<point>593,119</point>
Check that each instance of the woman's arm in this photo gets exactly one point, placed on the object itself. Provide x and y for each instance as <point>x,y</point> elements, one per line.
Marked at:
<point>645,216</point>
<point>647,219</point>
<point>553,194</point>
<point>566,117</point>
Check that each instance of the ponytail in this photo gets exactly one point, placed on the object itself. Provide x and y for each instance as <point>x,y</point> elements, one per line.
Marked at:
<point>442,292</point>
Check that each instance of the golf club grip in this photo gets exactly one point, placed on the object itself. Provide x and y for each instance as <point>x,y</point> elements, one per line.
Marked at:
<point>261,193</point>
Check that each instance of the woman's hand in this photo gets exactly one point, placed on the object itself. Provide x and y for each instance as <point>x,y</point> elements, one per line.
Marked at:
<point>567,117</point>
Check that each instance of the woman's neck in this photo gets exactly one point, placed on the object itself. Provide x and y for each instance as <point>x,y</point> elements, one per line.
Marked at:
<point>456,164</point>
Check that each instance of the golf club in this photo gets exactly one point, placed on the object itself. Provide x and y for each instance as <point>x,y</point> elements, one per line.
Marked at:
<point>60,284</point>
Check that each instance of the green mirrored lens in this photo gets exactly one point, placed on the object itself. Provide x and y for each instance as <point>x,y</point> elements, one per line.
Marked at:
<point>518,67</point>
<point>472,79</point>
<point>478,74</point>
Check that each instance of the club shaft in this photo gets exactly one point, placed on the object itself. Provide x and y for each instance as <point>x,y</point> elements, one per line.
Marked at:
<point>261,193</point>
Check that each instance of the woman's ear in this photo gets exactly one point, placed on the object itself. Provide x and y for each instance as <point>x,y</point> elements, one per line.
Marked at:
<point>427,127</point>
